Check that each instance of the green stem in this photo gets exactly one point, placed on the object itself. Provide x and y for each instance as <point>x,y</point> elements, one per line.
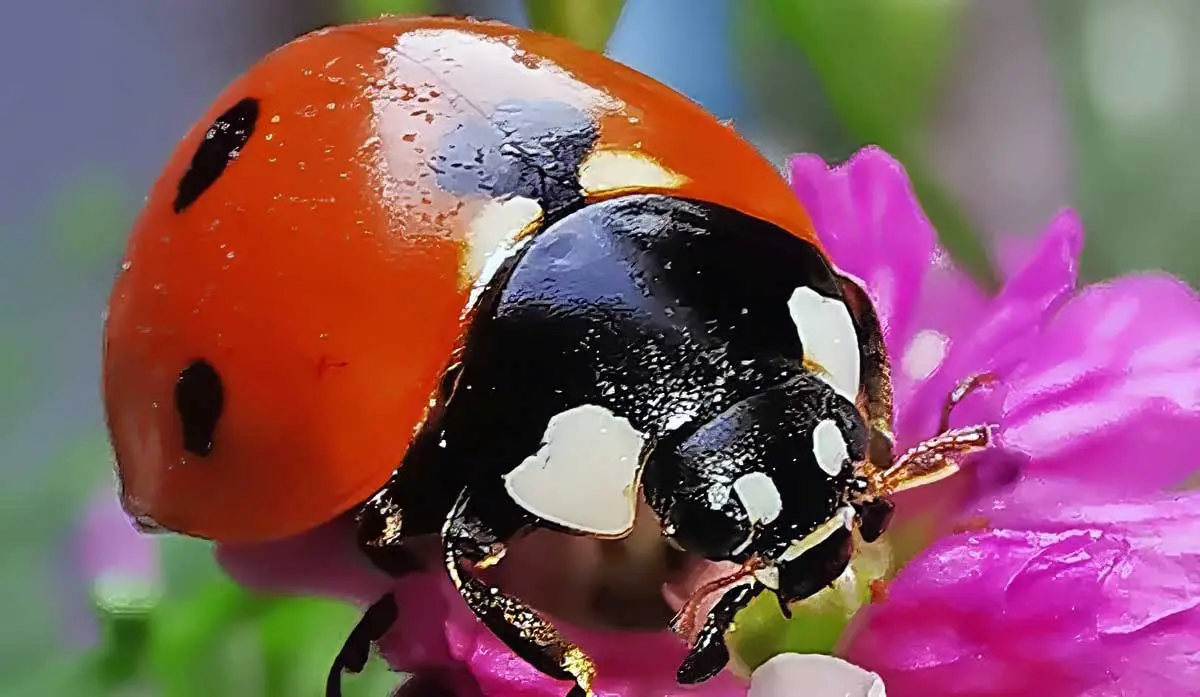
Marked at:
<point>588,23</point>
<point>364,9</point>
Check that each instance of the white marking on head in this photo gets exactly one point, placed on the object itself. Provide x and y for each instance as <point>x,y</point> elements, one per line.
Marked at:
<point>827,333</point>
<point>768,576</point>
<point>499,229</point>
<point>842,518</point>
<point>586,474</point>
<point>609,171</point>
<point>829,447</point>
<point>759,496</point>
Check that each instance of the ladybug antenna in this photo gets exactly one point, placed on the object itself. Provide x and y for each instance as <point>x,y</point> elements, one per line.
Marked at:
<point>375,622</point>
<point>939,457</point>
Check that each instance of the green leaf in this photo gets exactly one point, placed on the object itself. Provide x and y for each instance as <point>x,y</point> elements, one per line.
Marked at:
<point>188,632</point>
<point>1125,71</point>
<point>881,63</point>
<point>17,377</point>
<point>375,680</point>
<point>236,665</point>
<point>39,509</point>
<point>188,565</point>
<point>588,23</point>
<point>89,223</point>
<point>301,637</point>
<point>881,60</point>
<point>124,640</point>
<point>365,9</point>
<point>65,675</point>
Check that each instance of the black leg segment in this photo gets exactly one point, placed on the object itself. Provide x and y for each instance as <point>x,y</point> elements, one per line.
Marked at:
<point>709,654</point>
<point>468,539</point>
<point>375,622</point>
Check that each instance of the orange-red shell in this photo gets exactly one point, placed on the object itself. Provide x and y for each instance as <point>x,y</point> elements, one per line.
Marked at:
<point>325,273</point>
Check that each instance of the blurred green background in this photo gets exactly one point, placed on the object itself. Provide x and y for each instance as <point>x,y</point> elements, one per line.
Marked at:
<point>1002,111</point>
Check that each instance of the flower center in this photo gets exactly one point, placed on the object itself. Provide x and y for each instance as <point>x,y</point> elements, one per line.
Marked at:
<point>818,623</point>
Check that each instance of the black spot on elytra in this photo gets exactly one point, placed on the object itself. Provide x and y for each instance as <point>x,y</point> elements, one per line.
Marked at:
<point>222,143</point>
<point>199,399</point>
<point>524,148</point>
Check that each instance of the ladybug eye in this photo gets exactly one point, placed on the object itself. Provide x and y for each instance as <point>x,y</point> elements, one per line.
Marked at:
<point>199,398</point>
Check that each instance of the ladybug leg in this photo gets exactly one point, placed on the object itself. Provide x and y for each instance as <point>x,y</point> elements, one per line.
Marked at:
<point>709,653</point>
<point>468,538</point>
<point>375,622</point>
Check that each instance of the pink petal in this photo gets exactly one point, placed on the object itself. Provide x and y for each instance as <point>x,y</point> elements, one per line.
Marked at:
<point>108,562</point>
<point>1111,393</point>
<point>426,634</point>
<point>866,214</point>
<point>629,664</point>
<point>1094,600</point>
<point>1163,530</point>
<point>1013,253</point>
<point>323,561</point>
<point>107,546</point>
<point>996,339</point>
<point>1005,332</point>
<point>1005,613</point>
<point>949,302</point>
<point>872,226</point>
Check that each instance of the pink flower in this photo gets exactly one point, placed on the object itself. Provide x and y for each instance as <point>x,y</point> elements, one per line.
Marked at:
<point>1088,377</point>
<point>1083,583</point>
<point>1092,600</point>
<point>118,567</point>
<point>111,554</point>
<point>1080,582</point>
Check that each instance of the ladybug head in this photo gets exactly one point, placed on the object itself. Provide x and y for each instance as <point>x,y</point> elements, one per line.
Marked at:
<point>777,479</point>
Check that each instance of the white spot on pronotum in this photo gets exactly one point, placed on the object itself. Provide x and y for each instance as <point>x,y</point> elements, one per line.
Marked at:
<point>827,334</point>
<point>759,496</point>
<point>495,233</point>
<point>829,447</point>
<point>608,171</point>
<point>924,354</point>
<point>586,474</point>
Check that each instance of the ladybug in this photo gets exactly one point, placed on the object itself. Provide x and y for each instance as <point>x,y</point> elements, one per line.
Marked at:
<point>464,281</point>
